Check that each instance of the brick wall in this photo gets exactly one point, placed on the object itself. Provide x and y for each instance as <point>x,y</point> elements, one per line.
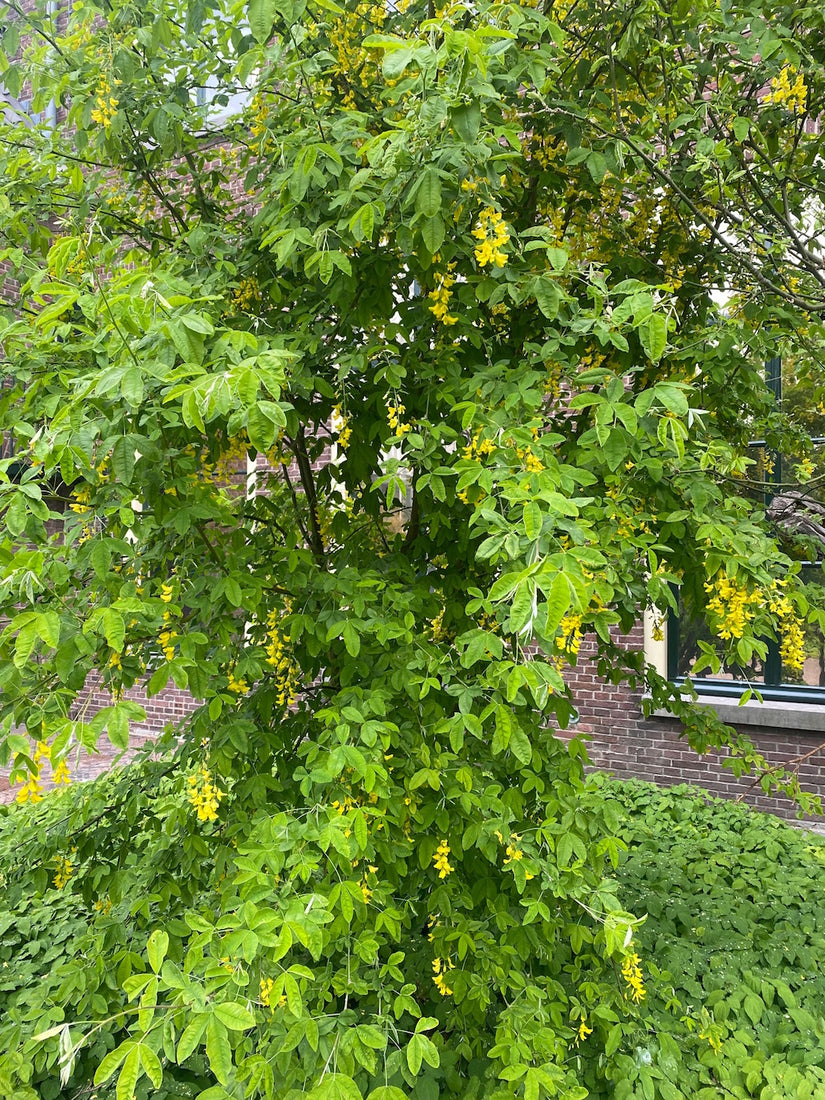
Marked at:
<point>622,741</point>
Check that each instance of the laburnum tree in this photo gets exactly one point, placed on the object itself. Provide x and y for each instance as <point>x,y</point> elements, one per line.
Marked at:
<point>359,360</point>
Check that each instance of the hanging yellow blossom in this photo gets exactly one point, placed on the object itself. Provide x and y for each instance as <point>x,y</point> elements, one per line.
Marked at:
<point>395,420</point>
<point>441,860</point>
<point>64,871</point>
<point>31,791</point>
<point>266,987</point>
<point>286,671</point>
<point>340,426</point>
<point>582,1032</point>
<point>440,968</point>
<point>440,296</point>
<point>732,603</point>
<point>240,687</point>
<point>204,794</point>
<point>632,974</point>
<point>106,102</point>
<point>61,774</point>
<point>788,90</point>
<point>492,234</point>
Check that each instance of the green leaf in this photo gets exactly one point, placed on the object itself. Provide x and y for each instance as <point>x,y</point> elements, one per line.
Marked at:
<point>432,233</point>
<point>597,166</point>
<point>191,1038</point>
<point>548,296</point>
<point>131,387</point>
<point>261,16</point>
<point>234,1015</point>
<point>754,1007</point>
<point>128,1075</point>
<point>614,1038</point>
<point>428,194</point>
<point>112,1060</point>
<point>415,1054</point>
<point>151,1064</point>
<point>336,1086</point>
<point>218,1050</point>
<point>114,629</point>
<point>117,727</point>
<point>123,459</point>
<point>653,334</point>
<point>351,640</point>
<point>156,948</point>
<point>48,627</point>
<point>520,746</point>
<point>467,120</point>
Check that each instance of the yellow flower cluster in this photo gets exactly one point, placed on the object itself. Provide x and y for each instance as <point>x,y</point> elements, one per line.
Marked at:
<point>367,882</point>
<point>732,603</point>
<point>240,687</point>
<point>61,774</point>
<point>569,638</point>
<point>440,296</point>
<point>532,463</point>
<point>64,871</point>
<point>805,470</point>
<point>286,671</point>
<point>492,234</point>
<point>166,591</point>
<point>789,90</point>
<point>266,987</point>
<point>357,65</point>
<point>552,384</point>
<point>440,968</point>
<point>340,426</point>
<point>167,639</point>
<point>81,501</point>
<point>105,107</point>
<point>395,421</point>
<point>792,635</point>
<point>441,860</point>
<point>478,448</point>
<point>246,297</point>
<point>103,905</point>
<point>514,854</point>
<point>582,1032</point>
<point>232,460</point>
<point>31,791</point>
<point>204,794</point>
<point>260,113</point>
<point>632,974</point>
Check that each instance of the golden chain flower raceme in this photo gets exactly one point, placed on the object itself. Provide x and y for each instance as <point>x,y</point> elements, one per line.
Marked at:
<point>789,90</point>
<point>632,974</point>
<point>441,859</point>
<point>492,234</point>
<point>440,969</point>
<point>440,297</point>
<point>204,794</point>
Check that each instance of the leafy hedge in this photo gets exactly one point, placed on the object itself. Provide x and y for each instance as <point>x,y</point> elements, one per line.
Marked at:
<point>737,925</point>
<point>730,952</point>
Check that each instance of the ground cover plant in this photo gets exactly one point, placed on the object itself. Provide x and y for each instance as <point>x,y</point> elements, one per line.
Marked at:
<point>358,361</point>
<point>735,1001</point>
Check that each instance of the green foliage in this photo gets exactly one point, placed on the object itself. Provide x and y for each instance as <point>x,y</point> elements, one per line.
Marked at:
<point>733,944</point>
<point>356,457</point>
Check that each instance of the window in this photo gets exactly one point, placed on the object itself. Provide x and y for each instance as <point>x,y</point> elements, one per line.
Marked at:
<point>796,510</point>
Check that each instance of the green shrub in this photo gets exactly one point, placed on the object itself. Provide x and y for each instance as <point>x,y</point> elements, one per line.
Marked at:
<point>734,997</point>
<point>731,949</point>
